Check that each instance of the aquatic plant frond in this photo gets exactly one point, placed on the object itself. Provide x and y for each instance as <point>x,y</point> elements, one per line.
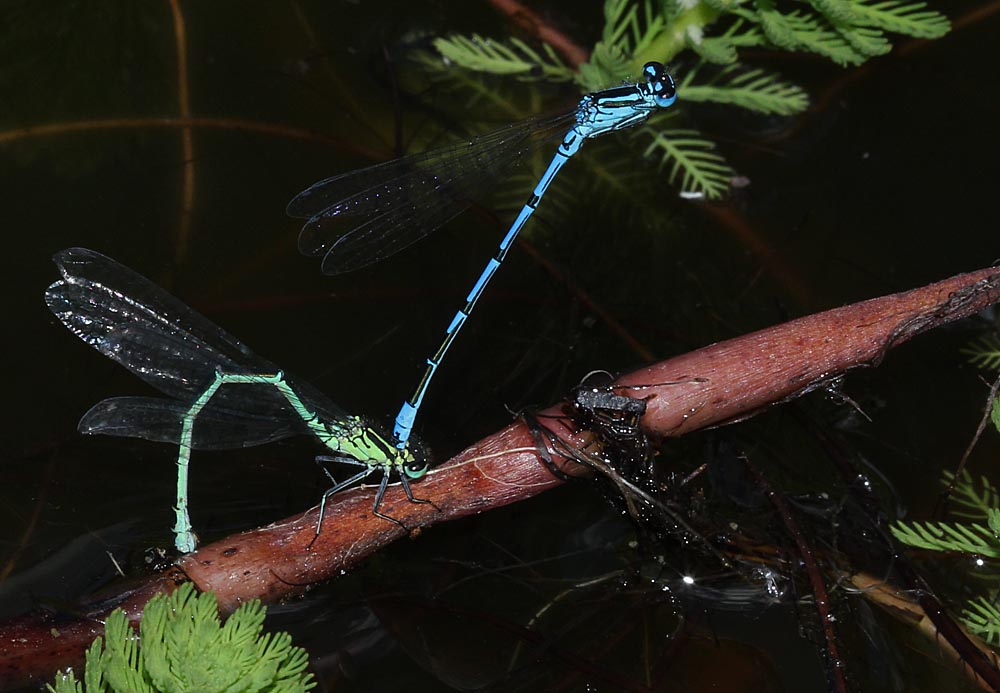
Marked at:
<point>183,647</point>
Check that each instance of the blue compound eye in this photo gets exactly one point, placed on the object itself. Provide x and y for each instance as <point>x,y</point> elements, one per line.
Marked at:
<point>661,84</point>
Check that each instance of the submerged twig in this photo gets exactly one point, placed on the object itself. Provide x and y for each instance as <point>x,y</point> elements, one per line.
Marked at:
<point>834,663</point>
<point>987,410</point>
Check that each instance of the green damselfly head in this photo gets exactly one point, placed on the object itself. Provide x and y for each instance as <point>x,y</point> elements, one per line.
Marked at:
<point>416,465</point>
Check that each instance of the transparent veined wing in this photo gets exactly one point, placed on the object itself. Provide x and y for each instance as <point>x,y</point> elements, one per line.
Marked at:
<point>176,350</point>
<point>98,296</point>
<point>159,419</point>
<point>364,216</point>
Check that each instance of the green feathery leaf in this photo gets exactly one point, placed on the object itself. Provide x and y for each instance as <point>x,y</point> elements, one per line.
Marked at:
<point>801,31</point>
<point>982,617</point>
<point>755,90</point>
<point>629,29</point>
<point>620,17</point>
<point>723,5</point>
<point>837,11</point>
<point>93,675</point>
<point>631,26</point>
<point>718,50</point>
<point>971,538</point>
<point>973,501</point>
<point>774,25</point>
<point>66,683</point>
<point>692,159</point>
<point>123,667</point>
<point>993,521</point>
<point>984,352</point>
<point>512,57</point>
<point>813,36</point>
<point>865,40</point>
<point>183,648</point>
<point>607,65</point>
<point>907,18</point>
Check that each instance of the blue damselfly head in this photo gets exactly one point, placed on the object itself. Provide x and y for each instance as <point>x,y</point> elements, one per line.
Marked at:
<point>660,83</point>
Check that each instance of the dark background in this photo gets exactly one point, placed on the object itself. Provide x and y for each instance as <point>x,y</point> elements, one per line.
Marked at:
<point>887,184</point>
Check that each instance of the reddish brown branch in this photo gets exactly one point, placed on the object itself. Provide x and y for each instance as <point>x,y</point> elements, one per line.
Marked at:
<point>738,377</point>
<point>34,646</point>
<point>719,383</point>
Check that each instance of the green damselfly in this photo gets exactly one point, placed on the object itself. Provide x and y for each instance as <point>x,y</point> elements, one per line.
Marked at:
<point>221,394</point>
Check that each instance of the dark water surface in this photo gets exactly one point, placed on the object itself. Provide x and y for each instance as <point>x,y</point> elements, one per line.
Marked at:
<point>889,185</point>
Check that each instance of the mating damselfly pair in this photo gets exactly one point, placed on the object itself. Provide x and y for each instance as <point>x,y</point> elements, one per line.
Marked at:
<point>222,394</point>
